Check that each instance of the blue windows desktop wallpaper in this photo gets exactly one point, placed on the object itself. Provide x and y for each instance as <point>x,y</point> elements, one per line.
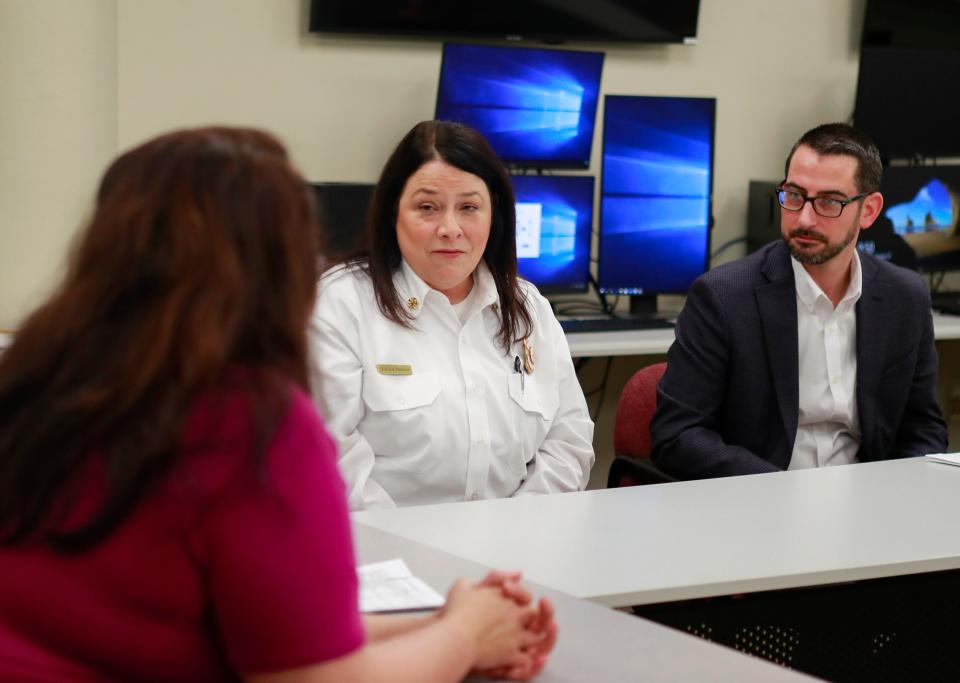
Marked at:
<point>922,211</point>
<point>655,193</point>
<point>931,209</point>
<point>553,230</point>
<point>536,107</point>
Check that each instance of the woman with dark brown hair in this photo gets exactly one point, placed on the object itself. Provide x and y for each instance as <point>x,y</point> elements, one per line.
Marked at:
<point>170,506</point>
<point>443,376</point>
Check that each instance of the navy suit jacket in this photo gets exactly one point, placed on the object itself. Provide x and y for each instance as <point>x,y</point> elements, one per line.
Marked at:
<point>728,403</point>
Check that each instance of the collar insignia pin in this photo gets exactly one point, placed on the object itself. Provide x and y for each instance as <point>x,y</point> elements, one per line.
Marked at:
<point>412,303</point>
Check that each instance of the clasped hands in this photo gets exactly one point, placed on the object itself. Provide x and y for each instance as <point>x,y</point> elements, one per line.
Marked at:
<point>513,634</point>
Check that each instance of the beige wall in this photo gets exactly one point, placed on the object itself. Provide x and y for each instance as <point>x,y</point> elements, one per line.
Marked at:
<point>80,78</point>
<point>341,104</point>
<point>58,128</point>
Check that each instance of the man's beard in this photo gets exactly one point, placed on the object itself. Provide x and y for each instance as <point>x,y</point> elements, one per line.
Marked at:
<point>816,258</point>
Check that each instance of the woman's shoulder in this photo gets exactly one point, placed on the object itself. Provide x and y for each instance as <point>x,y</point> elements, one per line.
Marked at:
<point>345,286</point>
<point>345,277</point>
<point>227,423</point>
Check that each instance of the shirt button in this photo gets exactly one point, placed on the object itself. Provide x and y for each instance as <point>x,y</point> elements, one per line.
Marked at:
<point>479,439</point>
<point>400,400</point>
<point>834,380</point>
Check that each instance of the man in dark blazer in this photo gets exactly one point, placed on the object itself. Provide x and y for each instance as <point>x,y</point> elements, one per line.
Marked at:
<point>804,353</point>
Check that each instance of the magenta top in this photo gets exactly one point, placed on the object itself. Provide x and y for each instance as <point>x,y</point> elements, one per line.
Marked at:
<point>224,567</point>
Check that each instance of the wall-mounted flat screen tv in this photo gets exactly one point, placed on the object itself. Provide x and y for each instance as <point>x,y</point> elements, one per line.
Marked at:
<point>638,21</point>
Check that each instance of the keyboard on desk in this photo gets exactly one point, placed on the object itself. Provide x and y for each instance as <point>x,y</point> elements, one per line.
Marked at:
<point>613,324</point>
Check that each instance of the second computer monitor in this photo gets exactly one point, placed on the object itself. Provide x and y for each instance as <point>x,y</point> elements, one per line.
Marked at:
<point>553,231</point>
<point>655,193</point>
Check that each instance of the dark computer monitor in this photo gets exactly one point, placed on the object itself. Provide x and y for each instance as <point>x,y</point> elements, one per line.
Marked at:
<point>918,224</point>
<point>536,107</point>
<point>554,222</point>
<point>655,194</point>
<point>342,212</point>
<point>909,67</point>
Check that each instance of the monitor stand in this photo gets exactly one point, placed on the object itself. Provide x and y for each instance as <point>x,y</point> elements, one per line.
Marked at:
<point>643,305</point>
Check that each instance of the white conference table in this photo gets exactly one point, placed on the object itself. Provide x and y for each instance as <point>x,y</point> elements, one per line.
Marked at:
<point>595,643</point>
<point>657,341</point>
<point>652,544</point>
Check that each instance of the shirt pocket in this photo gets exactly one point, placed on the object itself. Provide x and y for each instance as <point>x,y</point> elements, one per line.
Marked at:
<point>541,398</point>
<point>535,405</point>
<point>401,412</point>
<point>388,393</point>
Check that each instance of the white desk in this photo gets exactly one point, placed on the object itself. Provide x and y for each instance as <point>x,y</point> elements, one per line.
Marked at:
<point>650,544</point>
<point>595,644</point>
<point>650,342</point>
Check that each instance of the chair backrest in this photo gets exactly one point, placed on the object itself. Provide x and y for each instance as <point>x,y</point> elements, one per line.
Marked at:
<point>631,429</point>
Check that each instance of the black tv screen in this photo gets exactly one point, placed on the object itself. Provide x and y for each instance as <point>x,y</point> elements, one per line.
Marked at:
<point>907,101</point>
<point>930,24</point>
<point>907,94</point>
<point>536,107</point>
<point>645,21</point>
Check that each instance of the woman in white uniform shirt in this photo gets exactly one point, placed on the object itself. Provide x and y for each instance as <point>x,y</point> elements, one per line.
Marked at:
<point>442,375</point>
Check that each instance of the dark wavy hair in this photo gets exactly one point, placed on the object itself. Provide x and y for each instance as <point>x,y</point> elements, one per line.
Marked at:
<point>199,259</point>
<point>469,151</point>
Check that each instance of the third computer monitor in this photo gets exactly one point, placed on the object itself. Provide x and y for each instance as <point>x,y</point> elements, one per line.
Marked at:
<point>553,231</point>
<point>919,225</point>
<point>655,193</point>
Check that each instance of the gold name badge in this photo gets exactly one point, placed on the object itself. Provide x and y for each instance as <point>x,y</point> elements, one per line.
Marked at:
<point>395,369</point>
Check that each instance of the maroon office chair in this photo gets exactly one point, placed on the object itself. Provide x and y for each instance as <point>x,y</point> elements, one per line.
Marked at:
<point>631,431</point>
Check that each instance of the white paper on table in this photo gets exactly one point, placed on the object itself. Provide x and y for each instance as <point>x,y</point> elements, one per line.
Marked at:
<point>946,458</point>
<point>391,587</point>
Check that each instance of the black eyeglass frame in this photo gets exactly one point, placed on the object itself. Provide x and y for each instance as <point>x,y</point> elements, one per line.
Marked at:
<point>813,201</point>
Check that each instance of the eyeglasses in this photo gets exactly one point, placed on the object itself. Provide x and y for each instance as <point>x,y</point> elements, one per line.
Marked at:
<point>828,207</point>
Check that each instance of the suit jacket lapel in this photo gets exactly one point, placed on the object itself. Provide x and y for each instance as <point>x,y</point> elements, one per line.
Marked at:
<point>777,302</point>
<point>871,343</point>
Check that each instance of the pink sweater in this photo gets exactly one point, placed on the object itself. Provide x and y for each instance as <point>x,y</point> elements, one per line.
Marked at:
<point>222,568</point>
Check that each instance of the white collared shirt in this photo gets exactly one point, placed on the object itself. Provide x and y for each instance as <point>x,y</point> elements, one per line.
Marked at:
<point>828,427</point>
<point>460,424</point>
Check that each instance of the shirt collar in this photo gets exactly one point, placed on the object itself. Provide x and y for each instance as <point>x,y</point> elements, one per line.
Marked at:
<point>808,291</point>
<point>414,292</point>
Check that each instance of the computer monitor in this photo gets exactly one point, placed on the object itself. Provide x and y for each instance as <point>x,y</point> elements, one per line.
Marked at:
<point>536,107</point>
<point>655,195</point>
<point>921,207</point>
<point>342,209</point>
<point>553,231</point>
<point>909,65</point>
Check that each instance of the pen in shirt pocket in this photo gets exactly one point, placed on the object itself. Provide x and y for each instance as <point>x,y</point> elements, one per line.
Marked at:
<point>518,368</point>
